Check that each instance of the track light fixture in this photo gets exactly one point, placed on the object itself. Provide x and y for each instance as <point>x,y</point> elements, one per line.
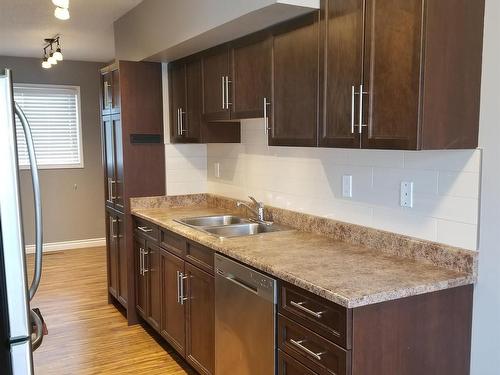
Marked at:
<point>51,58</point>
<point>62,9</point>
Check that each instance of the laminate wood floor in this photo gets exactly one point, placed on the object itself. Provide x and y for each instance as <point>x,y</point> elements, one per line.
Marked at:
<point>86,334</point>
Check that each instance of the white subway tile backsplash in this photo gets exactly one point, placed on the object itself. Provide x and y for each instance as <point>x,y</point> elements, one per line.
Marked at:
<point>457,234</point>
<point>459,184</point>
<point>186,168</point>
<point>446,183</point>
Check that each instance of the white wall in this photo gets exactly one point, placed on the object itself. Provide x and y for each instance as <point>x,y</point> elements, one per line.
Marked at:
<point>446,184</point>
<point>486,325</point>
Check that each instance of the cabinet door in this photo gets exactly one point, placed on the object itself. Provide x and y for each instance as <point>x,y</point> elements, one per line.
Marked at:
<point>200,320</point>
<point>115,92</point>
<point>172,311</point>
<point>106,95</point>
<point>122,260</point>
<point>215,85</point>
<point>109,159</point>
<point>251,77</point>
<point>295,83</point>
<point>392,73</point>
<point>112,257</point>
<point>141,278</point>
<point>117,183</point>
<point>191,124</point>
<point>177,92</point>
<point>289,366</point>
<point>153,288</point>
<point>342,29</point>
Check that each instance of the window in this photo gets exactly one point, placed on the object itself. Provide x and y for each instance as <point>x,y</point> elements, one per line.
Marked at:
<point>54,116</point>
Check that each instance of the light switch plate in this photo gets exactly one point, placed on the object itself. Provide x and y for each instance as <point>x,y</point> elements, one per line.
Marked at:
<point>347,186</point>
<point>406,195</point>
<point>217,170</point>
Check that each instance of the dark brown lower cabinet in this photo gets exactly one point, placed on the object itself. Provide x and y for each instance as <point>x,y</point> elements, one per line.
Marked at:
<point>148,302</point>
<point>200,317</point>
<point>173,326</point>
<point>289,366</point>
<point>141,279</point>
<point>152,270</point>
<point>117,258</point>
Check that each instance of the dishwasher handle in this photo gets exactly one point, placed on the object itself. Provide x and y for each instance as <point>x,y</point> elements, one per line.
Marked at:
<point>242,284</point>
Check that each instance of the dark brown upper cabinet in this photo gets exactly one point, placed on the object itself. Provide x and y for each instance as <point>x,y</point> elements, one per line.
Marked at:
<point>110,94</point>
<point>398,77</point>
<point>113,161</point>
<point>342,32</point>
<point>295,83</point>
<point>251,63</point>
<point>185,101</point>
<point>216,84</point>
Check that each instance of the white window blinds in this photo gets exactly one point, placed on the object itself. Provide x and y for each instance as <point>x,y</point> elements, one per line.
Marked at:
<point>53,113</point>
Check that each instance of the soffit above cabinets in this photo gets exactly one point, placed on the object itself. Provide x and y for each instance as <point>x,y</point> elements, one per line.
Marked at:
<point>159,30</point>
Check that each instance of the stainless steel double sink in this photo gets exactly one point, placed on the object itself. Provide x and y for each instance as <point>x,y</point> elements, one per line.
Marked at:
<point>224,226</point>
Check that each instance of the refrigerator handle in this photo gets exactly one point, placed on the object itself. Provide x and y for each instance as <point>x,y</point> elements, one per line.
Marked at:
<point>37,341</point>
<point>38,203</point>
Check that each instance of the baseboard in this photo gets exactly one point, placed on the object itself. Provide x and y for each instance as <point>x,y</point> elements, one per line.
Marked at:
<point>68,245</point>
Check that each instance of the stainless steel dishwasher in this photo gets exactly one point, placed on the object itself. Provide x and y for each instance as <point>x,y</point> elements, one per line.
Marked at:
<point>245,316</point>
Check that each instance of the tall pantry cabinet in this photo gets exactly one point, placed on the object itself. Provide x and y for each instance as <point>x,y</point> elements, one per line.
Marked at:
<point>133,161</point>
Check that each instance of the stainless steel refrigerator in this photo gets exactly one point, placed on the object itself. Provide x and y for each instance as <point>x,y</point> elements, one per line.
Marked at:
<point>20,327</point>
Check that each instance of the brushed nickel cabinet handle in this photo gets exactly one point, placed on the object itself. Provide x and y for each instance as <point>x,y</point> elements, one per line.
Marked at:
<point>223,92</point>
<point>112,223</point>
<point>266,118</point>
<point>299,344</point>
<point>228,103</point>
<point>352,108</point>
<point>300,306</point>
<point>145,229</point>
<point>361,93</point>
<point>144,269</point>
<point>182,277</point>
<point>141,267</point>
<point>182,130</point>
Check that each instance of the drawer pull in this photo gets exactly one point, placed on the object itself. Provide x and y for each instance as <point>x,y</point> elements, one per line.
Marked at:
<point>299,345</point>
<point>145,229</point>
<point>300,306</point>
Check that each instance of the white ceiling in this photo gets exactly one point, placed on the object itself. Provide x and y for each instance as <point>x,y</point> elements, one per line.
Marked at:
<point>87,35</point>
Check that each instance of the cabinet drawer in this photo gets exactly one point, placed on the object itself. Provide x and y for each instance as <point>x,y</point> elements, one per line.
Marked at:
<point>289,366</point>
<point>173,242</point>
<point>146,229</point>
<point>313,351</point>
<point>200,256</point>
<point>319,315</point>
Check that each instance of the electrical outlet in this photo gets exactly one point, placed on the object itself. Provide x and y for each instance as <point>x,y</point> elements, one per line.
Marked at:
<point>347,186</point>
<point>217,170</point>
<point>406,196</point>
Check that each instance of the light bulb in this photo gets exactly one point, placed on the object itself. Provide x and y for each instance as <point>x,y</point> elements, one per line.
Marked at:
<point>58,55</point>
<point>61,13</point>
<point>52,60</point>
<point>61,3</point>
<point>46,64</point>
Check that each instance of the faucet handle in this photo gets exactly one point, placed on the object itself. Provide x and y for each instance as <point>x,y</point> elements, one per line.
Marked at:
<point>260,204</point>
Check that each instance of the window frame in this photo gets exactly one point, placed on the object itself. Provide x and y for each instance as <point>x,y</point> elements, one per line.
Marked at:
<point>80,165</point>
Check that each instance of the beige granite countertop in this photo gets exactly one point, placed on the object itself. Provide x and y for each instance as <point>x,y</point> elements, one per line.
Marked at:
<point>347,274</point>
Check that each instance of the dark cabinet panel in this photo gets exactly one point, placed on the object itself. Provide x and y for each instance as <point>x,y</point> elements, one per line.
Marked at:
<point>115,92</point>
<point>117,185</point>
<point>194,101</point>
<point>289,366</point>
<point>172,311</point>
<point>393,42</point>
<point>177,93</point>
<point>108,159</point>
<point>295,83</point>
<point>216,84</point>
<point>141,284</point>
<point>112,249</point>
<point>153,288</point>
<point>200,322</point>
<point>119,232</point>
<point>342,31</point>
<point>106,93</point>
<point>251,76</point>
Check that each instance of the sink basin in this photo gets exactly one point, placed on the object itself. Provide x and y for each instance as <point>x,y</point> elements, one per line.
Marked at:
<point>245,229</point>
<point>212,221</point>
